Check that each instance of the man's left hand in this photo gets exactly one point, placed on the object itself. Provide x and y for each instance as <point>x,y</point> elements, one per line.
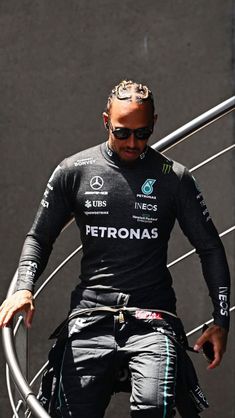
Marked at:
<point>217,336</point>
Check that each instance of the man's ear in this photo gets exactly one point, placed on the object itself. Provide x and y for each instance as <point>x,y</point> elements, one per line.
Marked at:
<point>106,120</point>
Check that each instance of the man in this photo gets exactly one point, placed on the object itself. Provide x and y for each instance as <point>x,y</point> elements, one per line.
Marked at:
<point>125,198</point>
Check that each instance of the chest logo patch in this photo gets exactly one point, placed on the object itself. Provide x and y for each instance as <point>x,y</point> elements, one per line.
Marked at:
<point>147,187</point>
<point>166,168</point>
<point>96,182</point>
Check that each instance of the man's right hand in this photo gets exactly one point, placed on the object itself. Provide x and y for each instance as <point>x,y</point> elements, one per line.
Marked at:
<point>22,300</point>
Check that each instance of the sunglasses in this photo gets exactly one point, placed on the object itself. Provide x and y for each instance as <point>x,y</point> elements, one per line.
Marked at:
<point>125,133</point>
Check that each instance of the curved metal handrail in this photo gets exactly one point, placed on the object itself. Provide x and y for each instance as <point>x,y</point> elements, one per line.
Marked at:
<point>195,125</point>
<point>164,144</point>
<point>61,265</point>
<point>213,157</point>
<point>8,381</point>
<point>199,327</point>
<point>12,361</point>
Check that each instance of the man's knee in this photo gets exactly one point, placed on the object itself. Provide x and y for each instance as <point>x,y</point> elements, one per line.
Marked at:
<point>152,399</point>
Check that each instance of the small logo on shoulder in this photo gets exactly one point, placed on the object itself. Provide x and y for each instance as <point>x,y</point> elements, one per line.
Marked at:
<point>147,187</point>
<point>166,168</point>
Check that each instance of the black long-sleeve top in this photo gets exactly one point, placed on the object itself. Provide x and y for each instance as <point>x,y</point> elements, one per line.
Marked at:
<point>125,214</point>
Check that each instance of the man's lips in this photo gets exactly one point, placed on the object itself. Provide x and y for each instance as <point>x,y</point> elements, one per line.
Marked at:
<point>131,151</point>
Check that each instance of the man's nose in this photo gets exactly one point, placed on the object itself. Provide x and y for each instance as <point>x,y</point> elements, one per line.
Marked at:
<point>131,141</point>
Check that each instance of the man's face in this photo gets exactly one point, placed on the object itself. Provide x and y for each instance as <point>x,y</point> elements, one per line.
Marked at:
<point>132,115</point>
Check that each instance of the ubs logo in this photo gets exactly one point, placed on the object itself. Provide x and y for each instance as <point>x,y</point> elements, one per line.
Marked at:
<point>95,204</point>
<point>96,182</point>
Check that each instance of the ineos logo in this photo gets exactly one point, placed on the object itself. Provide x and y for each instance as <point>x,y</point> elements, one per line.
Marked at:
<point>96,183</point>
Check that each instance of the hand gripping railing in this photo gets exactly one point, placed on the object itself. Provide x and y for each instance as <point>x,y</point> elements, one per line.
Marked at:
<point>164,144</point>
<point>13,364</point>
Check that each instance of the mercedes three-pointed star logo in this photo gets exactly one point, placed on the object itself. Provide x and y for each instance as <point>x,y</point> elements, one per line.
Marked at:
<point>96,182</point>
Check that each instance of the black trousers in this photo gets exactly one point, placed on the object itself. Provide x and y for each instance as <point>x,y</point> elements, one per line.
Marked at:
<point>94,356</point>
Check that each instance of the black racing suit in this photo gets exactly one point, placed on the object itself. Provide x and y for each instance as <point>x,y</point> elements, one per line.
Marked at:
<point>125,214</point>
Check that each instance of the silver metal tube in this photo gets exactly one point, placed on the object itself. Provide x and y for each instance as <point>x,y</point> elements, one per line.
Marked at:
<point>13,364</point>
<point>213,157</point>
<point>10,395</point>
<point>38,374</point>
<point>195,125</point>
<point>20,402</point>
<point>193,251</point>
<point>8,379</point>
<point>193,331</point>
<point>56,270</point>
<point>20,381</point>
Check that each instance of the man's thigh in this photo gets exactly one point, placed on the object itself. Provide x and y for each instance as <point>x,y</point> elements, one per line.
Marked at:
<point>87,374</point>
<point>153,367</point>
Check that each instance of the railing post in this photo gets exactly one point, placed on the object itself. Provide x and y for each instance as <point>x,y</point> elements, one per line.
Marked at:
<point>21,344</point>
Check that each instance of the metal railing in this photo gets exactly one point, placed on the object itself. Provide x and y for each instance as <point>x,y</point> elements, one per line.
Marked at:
<point>7,333</point>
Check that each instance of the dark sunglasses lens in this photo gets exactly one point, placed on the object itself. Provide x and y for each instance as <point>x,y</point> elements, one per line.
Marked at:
<point>122,133</point>
<point>143,133</point>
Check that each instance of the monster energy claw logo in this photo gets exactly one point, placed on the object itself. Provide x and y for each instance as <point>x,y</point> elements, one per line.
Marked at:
<point>147,187</point>
<point>166,168</point>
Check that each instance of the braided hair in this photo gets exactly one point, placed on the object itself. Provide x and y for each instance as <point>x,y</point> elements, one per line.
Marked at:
<point>131,91</point>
